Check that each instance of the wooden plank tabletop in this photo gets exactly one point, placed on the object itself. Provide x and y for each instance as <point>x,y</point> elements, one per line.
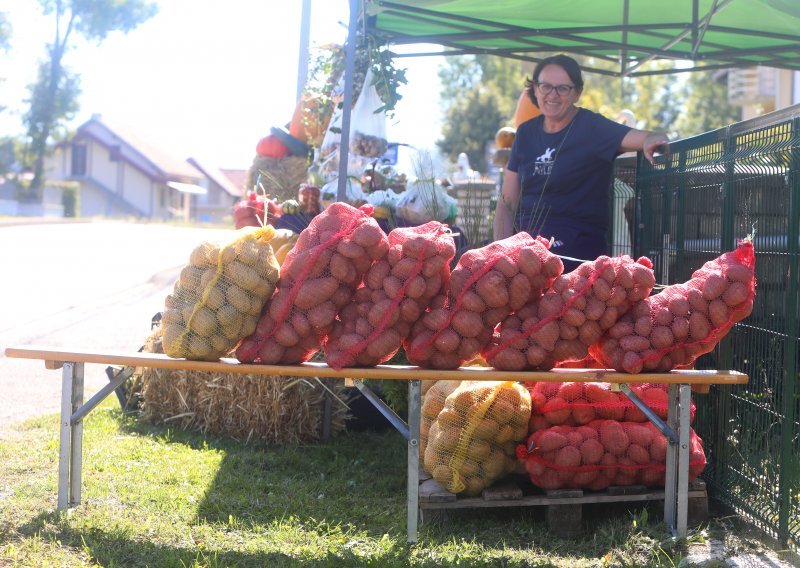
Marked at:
<point>55,357</point>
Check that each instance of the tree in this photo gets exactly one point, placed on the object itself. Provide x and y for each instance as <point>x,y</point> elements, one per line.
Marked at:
<point>478,96</point>
<point>707,106</point>
<point>54,95</point>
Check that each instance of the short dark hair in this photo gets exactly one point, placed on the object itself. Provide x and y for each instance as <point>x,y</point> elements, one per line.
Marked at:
<point>565,62</point>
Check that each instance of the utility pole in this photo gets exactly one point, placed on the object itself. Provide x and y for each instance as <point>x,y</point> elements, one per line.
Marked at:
<point>302,63</point>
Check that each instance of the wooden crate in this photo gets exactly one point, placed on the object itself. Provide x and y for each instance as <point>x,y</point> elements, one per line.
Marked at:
<point>564,507</point>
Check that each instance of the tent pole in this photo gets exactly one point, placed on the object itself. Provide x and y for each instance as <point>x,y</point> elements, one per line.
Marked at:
<point>302,63</point>
<point>349,72</point>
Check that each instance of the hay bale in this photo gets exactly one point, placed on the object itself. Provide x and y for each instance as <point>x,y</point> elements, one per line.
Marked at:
<point>271,409</point>
<point>280,177</point>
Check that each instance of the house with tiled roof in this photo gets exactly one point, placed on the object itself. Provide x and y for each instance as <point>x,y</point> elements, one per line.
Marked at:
<point>122,175</point>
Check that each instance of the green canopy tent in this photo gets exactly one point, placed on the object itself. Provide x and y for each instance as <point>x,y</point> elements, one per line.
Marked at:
<point>713,34</point>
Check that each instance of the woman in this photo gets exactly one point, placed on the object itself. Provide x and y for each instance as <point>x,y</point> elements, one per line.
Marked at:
<point>558,177</point>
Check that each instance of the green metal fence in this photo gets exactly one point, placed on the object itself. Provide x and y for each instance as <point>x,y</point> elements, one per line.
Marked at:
<point>692,206</point>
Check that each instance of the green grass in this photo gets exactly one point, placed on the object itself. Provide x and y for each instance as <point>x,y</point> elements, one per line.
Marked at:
<point>157,497</point>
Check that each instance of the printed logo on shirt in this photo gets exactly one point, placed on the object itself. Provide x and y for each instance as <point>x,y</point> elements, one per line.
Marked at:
<point>544,163</point>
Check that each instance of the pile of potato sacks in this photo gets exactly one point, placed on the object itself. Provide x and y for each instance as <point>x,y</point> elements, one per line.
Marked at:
<point>348,289</point>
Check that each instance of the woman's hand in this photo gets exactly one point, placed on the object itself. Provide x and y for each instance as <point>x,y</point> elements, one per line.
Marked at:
<point>655,141</point>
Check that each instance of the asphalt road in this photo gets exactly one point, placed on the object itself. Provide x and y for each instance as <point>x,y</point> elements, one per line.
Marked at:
<point>87,285</point>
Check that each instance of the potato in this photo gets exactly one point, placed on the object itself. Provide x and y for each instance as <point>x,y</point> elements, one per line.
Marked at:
<point>315,291</point>
<point>634,343</point>
<point>467,323</point>
<point>714,286</point>
<point>699,327</point>
<point>718,312</point>
<point>661,337</point>
<point>736,293</point>
<point>447,340</point>
<point>519,291</point>
<point>492,289</point>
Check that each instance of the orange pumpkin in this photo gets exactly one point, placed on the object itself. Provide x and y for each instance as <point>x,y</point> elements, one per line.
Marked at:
<point>505,137</point>
<point>526,110</point>
<point>270,147</point>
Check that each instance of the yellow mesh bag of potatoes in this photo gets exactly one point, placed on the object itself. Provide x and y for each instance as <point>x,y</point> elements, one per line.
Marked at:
<point>472,442</point>
<point>434,395</point>
<point>219,295</point>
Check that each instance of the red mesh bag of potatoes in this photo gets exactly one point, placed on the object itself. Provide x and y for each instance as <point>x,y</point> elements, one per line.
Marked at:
<point>674,327</point>
<point>318,278</point>
<point>578,403</point>
<point>600,454</point>
<point>473,440</point>
<point>396,292</point>
<point>571,316</point>
<point>486,286</point>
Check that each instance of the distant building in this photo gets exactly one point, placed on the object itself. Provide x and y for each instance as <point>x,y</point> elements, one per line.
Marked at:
<point>759,90</point>
<point>121,175</point>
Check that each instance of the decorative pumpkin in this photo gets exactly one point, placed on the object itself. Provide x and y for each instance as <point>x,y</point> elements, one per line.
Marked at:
<point>290,207</point>
<point>526,110</point>
<point>505,137</point>
<point>271,147</point>
<point>381,212</point>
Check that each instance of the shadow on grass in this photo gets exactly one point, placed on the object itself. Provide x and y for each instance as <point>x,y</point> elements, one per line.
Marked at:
<point>355,483</point>
<point>113,548</point>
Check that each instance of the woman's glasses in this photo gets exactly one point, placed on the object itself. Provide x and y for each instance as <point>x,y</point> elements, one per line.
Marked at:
<point>561,90</point>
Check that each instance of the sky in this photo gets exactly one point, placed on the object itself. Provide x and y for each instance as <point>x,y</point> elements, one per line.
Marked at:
<point>203,78</point>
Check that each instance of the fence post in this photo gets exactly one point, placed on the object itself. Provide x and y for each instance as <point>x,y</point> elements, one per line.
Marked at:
<point>680,222</point>
<point>788,468</point>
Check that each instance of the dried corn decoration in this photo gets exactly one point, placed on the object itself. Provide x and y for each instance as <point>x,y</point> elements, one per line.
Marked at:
<point>473,441</point>
<point>218,296</point>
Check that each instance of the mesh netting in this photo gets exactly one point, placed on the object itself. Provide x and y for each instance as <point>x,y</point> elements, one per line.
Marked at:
<point>396,292</point>
<point>473,439</point>
<point>578,403</point>
<point>602,453</point>
<point>318,278</point>
<point>433,399</point>
<point>671,329</point>
<point>219,295</point>
<point>485,287</point>
<point>571,316</point>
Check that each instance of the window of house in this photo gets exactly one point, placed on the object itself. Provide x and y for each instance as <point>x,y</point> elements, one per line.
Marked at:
<point>114,154</point>
<point>79,160</point>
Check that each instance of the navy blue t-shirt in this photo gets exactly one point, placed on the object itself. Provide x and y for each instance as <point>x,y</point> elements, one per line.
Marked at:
<point>565,179</point>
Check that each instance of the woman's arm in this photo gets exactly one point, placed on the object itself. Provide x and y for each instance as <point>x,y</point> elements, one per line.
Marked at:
<point>506,206</point>
<point>646,141</point>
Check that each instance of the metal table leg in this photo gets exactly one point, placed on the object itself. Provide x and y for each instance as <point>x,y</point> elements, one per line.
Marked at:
<point>670,475</point>
<point>71,442</point>
<point>684,417</point>
<point>414,411</point>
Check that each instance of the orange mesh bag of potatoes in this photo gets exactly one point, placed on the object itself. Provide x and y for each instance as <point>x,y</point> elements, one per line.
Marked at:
<point>433,400</point>
<point>578,403</point>
<point>674,327</point>
<point>396,292</point>
<point>318,278</point>
<point>602,453</point>
<point>218,296</point>
<point>571,316</point>
<point>472,442</point>
<point>486,286</point>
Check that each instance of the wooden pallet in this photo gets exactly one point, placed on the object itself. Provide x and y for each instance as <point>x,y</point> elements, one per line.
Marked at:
<point>564,507</point>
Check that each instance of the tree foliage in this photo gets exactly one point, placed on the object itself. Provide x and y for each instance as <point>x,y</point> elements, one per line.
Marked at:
<point>53,98</point>
<point>707,107</point>
<point>479,94</point>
